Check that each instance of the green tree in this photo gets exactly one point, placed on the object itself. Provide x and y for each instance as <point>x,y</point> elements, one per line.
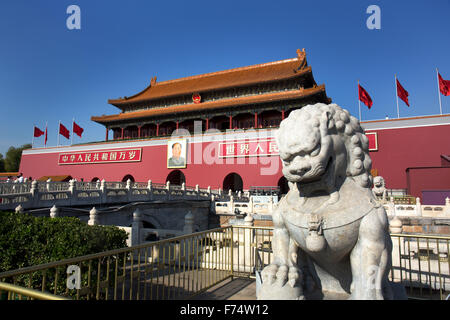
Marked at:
<point>13,156</point>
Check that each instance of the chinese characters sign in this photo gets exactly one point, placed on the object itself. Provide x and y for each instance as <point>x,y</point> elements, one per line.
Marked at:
<point>248,148</point>
<point>100,156</point>
<point>267,147</point>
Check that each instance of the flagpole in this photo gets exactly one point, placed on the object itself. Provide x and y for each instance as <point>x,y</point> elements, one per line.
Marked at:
<point>45,137</point>
<point>359,103</point>
<point>439,92</point>
<point>59,126</point>
<point>32,140</point>
<point>71,137</point>
<point>396,91</point>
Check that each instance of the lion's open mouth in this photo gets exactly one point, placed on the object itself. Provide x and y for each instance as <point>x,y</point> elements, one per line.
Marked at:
<point>318,175</point>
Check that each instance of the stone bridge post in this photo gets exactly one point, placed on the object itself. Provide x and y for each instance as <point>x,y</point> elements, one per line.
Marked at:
<point>136,227</point>
<point>248,248</point>
<point>447,207</point>
<point>93,217</point>
<point>103,191</point>
<point>34,193</point>
<point>197,191</point>
<point>250,205</point>
<point>271,204</point>
<point>231,204</point>
<point>129,190</point>
<point>54,212</point>
<point>418,207</point>
<point>19,209</point>
<point>168,190</point>
<point>243,237</point>
<point>150,189</point>
<point>213,203</point>
<point>188,223</point>
<point>73,190</point>
<point>391,206</point>
<point>183,190</point>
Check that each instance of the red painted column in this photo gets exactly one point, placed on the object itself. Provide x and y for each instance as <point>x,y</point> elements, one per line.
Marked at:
<point>207,123</point>
<point>157,129</point>
<point>256,120</point>
<point>282,114</point>
<point>177,125</point>
<point>106,134</point>
<point>231,122</point>
<point>122,134</point>
<point>139,131</point>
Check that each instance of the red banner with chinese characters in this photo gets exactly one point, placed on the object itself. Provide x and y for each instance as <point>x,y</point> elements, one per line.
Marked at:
<point>267,147</point>
<point>100,156</point>
<point>248,148</point>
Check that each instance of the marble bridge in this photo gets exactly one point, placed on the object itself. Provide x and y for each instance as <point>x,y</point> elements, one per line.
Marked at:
<point>162,208</point>
<point>36,194</point>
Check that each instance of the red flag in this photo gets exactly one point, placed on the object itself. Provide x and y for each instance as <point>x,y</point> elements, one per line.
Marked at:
<point>364,96</point>
<point>63,131</point>
<point>77,129</point>
<point>38,132</point>
<point>444,86</point>
<point>45,139</point>
<point>402,93</point>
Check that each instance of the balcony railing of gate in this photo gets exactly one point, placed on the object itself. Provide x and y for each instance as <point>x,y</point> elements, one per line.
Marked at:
<point>184,266</point>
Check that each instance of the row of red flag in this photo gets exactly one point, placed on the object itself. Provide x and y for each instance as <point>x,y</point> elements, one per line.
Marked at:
<point>62,131</point>
<point>444,88</point>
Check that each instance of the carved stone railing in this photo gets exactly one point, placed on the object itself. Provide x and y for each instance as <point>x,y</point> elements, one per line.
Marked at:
<point>244,206</point>
<point>417,209</point>
<point>46,194</point>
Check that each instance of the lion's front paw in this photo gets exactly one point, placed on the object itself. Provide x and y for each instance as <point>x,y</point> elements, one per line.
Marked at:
<point>280,282</point>
<point>280,275</point>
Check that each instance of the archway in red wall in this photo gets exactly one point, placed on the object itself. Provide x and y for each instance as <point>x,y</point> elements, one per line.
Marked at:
<point>95,179</point>
<point>176,177</point>
<point>283,185</point>
<point>128,176</point>
<point>233,182</point>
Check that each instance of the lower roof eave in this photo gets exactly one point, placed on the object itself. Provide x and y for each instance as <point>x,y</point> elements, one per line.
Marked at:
<point>214,105</point>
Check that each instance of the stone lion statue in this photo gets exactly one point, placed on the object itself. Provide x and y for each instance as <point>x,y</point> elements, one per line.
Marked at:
<point>331,237</point>
<point>379,188</point>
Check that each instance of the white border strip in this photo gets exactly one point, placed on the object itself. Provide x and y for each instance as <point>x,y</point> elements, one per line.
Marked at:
<point>204,138</point>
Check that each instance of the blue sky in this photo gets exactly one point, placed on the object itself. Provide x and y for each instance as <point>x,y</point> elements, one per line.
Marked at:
<point>50,73</point>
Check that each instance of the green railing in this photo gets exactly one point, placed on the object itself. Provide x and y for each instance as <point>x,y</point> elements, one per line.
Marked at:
<point>185,266</point>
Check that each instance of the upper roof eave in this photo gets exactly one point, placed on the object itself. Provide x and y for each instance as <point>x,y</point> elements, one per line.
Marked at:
<point>259,73</point>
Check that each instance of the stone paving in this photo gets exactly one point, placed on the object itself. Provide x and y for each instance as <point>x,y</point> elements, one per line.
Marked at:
<point>236,289</point>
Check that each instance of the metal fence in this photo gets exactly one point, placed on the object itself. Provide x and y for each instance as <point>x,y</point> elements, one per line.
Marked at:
<point>175,268</point>
<point>12,292</point>
<point>185,266</point>
<point>421,263</point>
